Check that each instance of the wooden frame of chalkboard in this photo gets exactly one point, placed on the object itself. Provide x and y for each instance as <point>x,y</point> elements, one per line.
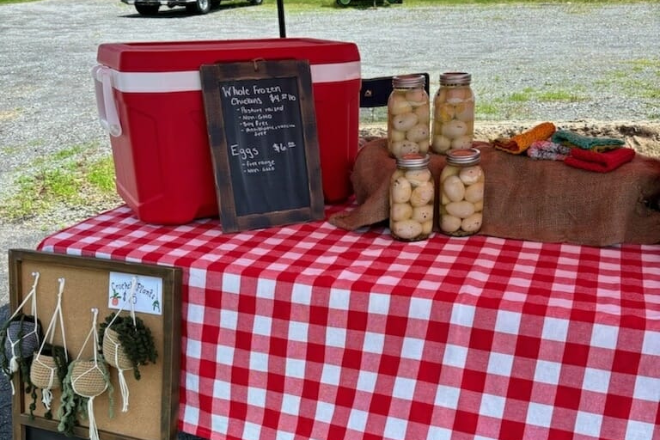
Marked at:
<point>264,145</point>
<point>154,399</point>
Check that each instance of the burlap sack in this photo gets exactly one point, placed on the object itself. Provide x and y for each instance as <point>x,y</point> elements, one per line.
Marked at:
<point>535,200</point>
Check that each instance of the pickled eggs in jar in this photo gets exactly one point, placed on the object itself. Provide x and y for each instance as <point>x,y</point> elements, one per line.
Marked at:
<point>408,117</point>
<point>412,193</point>
<point>462,184</point>
<point>453,113</point>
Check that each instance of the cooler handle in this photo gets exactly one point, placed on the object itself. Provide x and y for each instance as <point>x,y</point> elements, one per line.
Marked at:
<point>105,102</point>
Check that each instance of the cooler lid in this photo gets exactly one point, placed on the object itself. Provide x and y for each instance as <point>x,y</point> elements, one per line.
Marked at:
<point>189,55</point>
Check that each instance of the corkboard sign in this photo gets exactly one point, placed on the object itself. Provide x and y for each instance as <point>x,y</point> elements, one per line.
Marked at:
<point>86,286</point>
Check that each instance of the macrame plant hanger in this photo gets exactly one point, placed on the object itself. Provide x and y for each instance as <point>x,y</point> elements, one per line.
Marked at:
<point>90,378</point>
<point>113,352</point>
<point>44,370</point>
<point>27,342</point>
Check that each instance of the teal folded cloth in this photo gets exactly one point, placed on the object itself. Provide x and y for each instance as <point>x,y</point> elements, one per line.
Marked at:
<point>584,142</point>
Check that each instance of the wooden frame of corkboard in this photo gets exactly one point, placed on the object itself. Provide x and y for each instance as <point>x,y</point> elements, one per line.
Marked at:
<point>154,399</point>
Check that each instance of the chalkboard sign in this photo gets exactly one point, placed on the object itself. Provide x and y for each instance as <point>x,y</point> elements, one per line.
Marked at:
<point>262,132</point>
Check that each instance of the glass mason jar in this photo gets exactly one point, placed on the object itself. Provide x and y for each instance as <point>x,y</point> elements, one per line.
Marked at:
<point>408,116</point>
<point>453,113</point>
<point>462,184</point>
<point>412,192</point>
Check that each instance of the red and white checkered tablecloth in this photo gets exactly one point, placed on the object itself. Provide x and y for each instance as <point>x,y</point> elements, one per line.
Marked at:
<point>312,332</point>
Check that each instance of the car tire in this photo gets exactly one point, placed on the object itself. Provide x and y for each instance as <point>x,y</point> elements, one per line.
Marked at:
<point>256,2</point>
<point>199,7</point>
<point>147,9</point>
<point>343,2</point>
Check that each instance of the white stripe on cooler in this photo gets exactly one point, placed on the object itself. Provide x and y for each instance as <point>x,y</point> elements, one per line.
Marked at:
<point>187,81</point>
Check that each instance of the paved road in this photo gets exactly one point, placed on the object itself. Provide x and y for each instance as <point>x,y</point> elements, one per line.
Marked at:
<point>604,55</point>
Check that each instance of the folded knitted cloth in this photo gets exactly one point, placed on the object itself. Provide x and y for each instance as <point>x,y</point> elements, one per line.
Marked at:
<point>521,142</point>
<point>599,162</point>
<point>548,150</point>
<point>569,138</point>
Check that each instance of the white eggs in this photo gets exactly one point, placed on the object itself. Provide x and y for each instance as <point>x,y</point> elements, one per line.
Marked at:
<point>475,193</point>
<point>412,194</point>
<point>441,144</point>
<point>398,105</point>
<point>424,146</point>
<point>464,111</point>
<point>416,97</point>
<point>401,211</point>
<point>406,229</point>
<point>409,115</point>
<point>418,177</point>
<point>397,135</point>
<point>461,199</point>
<point>401,190</point>
<point>453,118</point>
<point>449,171</point>
<point>453,188</point>
<point>422,195</point>
<point>454,129</point>
<point>472,223</point>
<point>470,175</point>
<point>461,143</point>
<point>462,209</point>
<point>419,132</point>
<point>423,113</point>
<point>401,148</point>
<point>405,121</point>
<point>422,214</point>
<point>449,223</point>
<point>427,227</point>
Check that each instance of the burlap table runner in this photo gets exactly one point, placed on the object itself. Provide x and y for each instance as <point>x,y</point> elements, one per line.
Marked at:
<point>530,199</point>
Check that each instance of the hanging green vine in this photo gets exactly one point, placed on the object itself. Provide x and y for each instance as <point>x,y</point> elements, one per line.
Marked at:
<point>136,340</point>
<point>72,404</point>
<point>59,355</point>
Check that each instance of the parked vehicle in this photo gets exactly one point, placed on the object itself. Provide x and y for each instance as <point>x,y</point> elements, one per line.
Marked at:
<point>151,7</point>
<point>350,2</point>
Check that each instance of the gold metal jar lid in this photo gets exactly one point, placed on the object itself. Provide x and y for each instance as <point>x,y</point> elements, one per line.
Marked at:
<point>455,79</point>
<point>408,81</point>
<point>413,160</point>
<point>470,156</point>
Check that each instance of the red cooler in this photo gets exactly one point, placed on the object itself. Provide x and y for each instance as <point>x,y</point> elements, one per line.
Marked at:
<point>150,101</point>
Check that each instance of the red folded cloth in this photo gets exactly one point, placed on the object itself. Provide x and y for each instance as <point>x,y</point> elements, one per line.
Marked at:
<point>599,162</point>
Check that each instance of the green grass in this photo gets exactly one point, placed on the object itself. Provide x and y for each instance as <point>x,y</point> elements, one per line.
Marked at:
<point>3,2</point>
<point>514,104</point>
<point>81,175</point>
<point>639,79</point>
<point>295,6</point>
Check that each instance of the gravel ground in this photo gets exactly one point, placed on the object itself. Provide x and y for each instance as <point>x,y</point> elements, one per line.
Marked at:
<point>604,54</point>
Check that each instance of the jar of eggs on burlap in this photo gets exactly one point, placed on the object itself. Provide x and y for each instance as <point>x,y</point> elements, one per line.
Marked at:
<point>408,116</point>
<point>462,184</point>
<point>453,113</point>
